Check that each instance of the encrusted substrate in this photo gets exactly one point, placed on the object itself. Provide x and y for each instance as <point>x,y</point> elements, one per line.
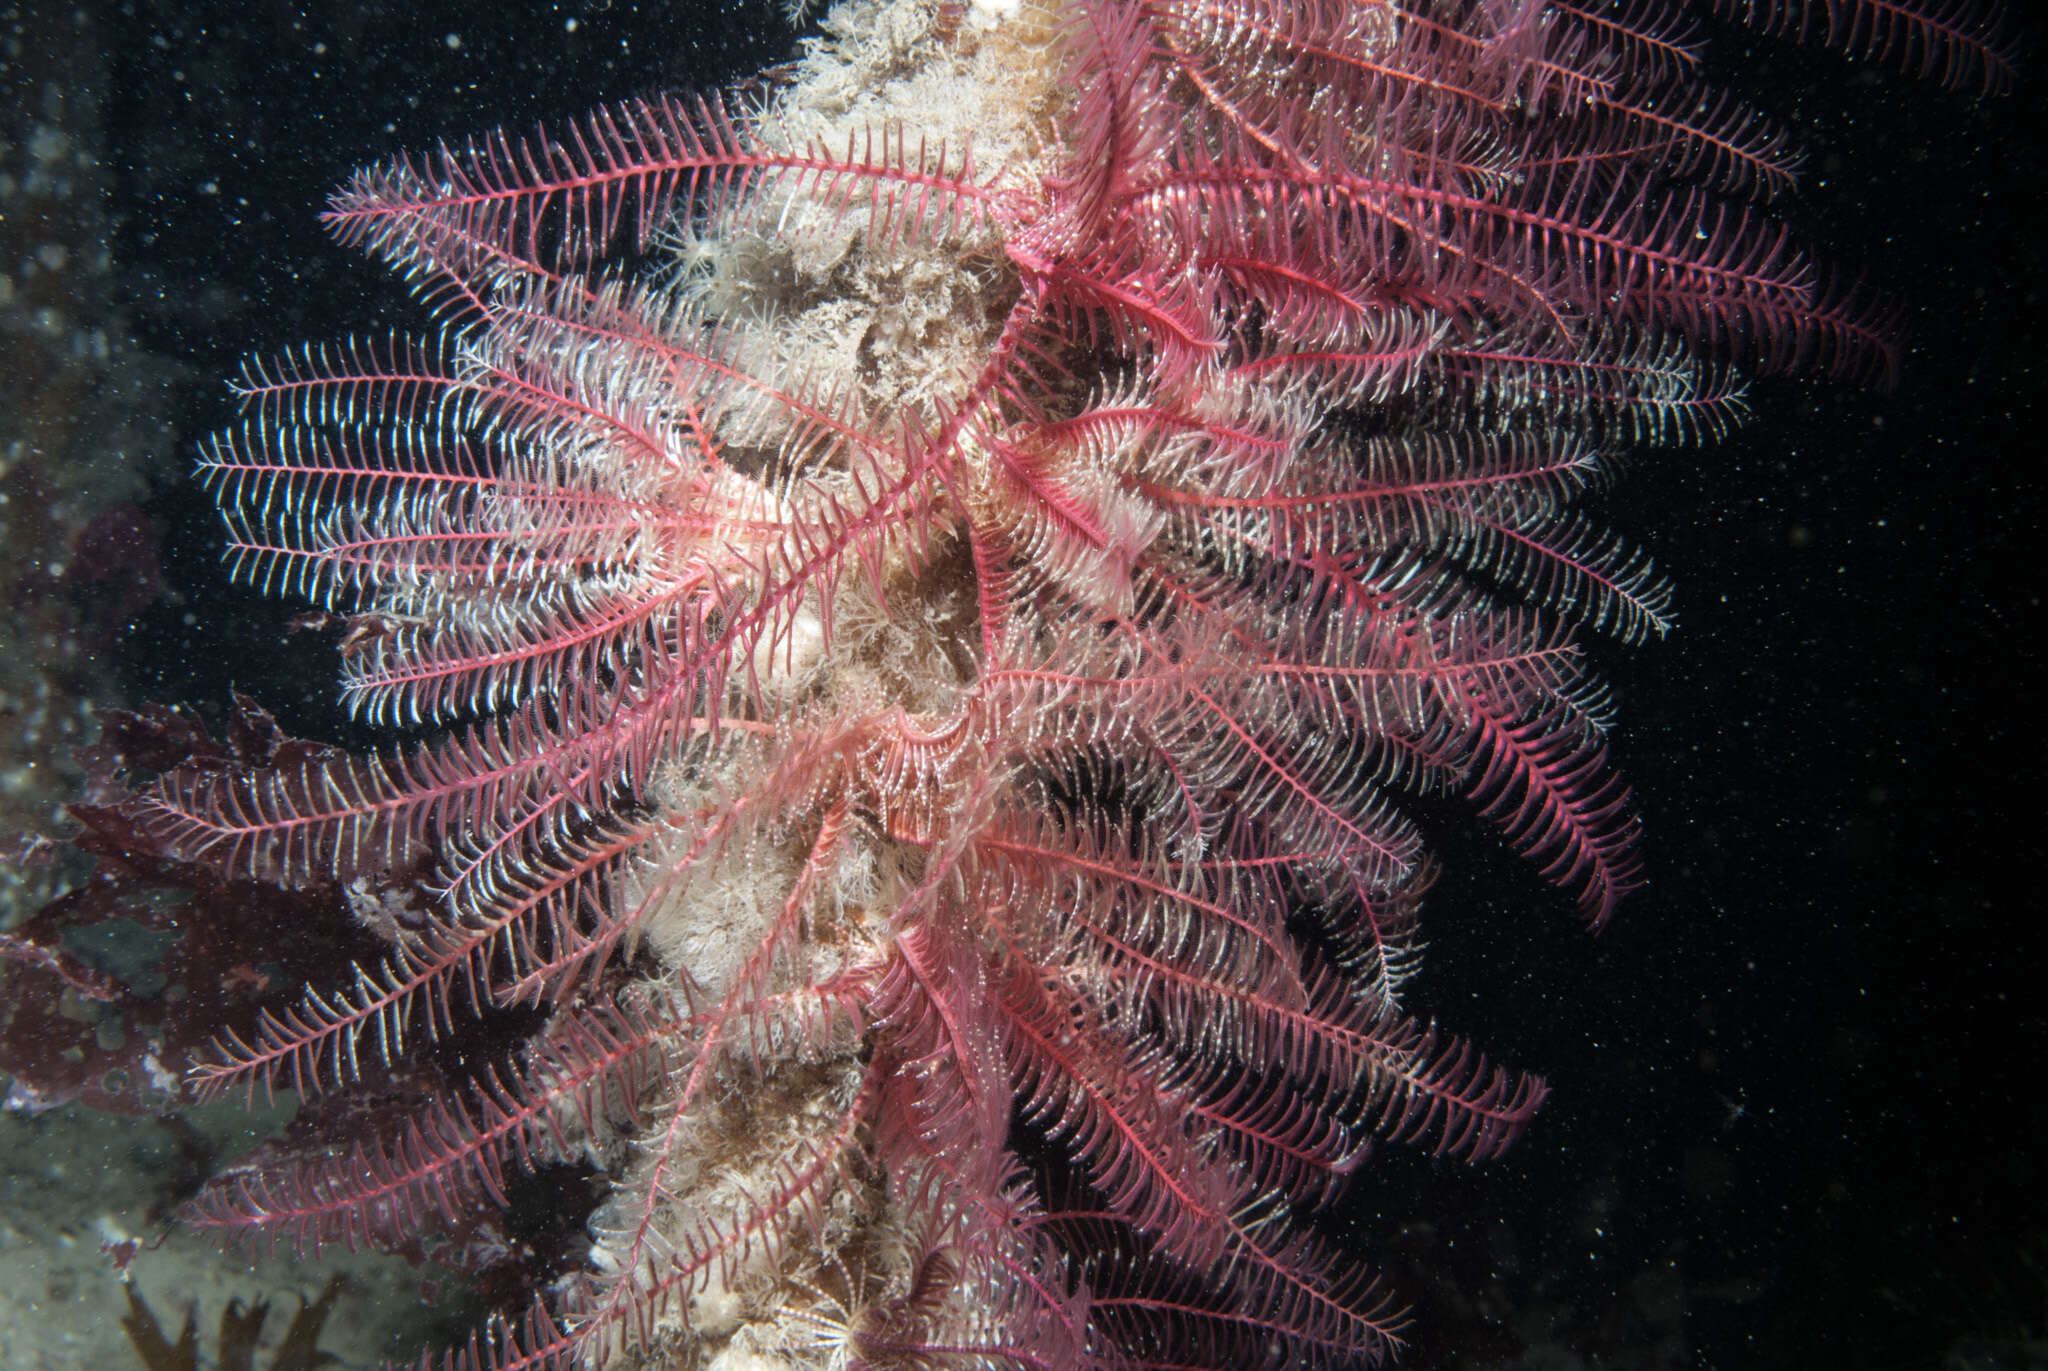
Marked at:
<point>894,327</point>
